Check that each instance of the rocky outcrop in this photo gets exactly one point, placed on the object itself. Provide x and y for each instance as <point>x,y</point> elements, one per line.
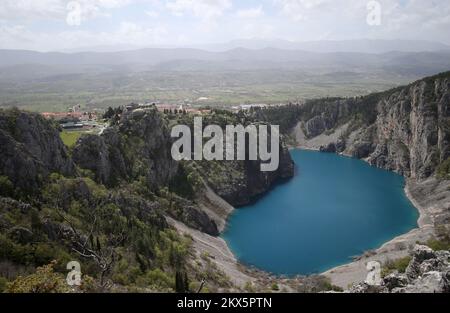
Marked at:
<point>197,219</point>
<point>139,146</point>
<point>241,182</point>
<point>406,130</point>
<point>411,125</point>
<point>428,272</point>
<point>31,149</point>
<point>333,147</point>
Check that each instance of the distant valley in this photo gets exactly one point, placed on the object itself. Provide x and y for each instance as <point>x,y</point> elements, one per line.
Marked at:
<point>55,81</point>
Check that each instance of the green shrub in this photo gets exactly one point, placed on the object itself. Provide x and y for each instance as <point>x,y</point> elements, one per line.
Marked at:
<point>6,187</point>
<point>439,245</point>
<point>3,284</point>
<point>157,279</point>
<point>249,287</point>
<point>443,170</point>
<point>45,280</point>
<point>9,250</point>
<point>399,265</point>
<point>275,287</point>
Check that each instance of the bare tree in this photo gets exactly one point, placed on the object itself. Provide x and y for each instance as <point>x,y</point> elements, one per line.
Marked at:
<point>202,284</point>
<point>103,257</point>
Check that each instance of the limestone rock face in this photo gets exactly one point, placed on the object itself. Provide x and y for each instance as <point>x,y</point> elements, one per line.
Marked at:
<point>31,149</point>
<point>92,153</point>
<point>406,130</point>
<point>198,219</point>
<point>139,146</point>
<point>428,272</point>
<point>331,148</point>
<point>316,126</point>
<point>240,182</point>
<point>412,129</point>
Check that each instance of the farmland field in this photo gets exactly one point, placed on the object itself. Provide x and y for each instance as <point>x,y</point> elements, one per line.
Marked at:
<point>198,88</point>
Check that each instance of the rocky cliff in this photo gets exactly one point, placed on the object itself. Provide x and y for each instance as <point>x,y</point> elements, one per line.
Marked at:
<point>241,182</point>
<point>30,150</point>
<point>405,130</point>
<point>137,147</point>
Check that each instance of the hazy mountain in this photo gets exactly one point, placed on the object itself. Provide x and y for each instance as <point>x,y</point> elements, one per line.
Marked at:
<point>142,56</point>
<point>360,46</point>
<point>422,63</point>
<point>323,46</point>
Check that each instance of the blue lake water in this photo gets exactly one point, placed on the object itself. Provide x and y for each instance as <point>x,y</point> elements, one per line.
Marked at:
<point>333,209</point>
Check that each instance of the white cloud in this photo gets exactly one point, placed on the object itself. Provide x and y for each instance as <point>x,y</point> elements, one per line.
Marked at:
<point>204,9</point>
<point>152,14</point>
<point>256,30</point>
<point>28,10</point>
<point>137,35</point>
<point>250,13</point>
<point>19,37</point>
<point>298,10</point>
<point>415,13</point>
<point>39,24</point>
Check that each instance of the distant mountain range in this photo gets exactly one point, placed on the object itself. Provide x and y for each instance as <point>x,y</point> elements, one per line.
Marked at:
<point>330,46</point>
<point>238,59</point>
<point>323,46</point>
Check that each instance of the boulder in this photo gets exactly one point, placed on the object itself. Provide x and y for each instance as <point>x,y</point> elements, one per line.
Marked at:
<point>427,272</point>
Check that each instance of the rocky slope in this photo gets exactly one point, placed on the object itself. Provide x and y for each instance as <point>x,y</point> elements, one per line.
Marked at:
<point>110,196</point>
<point>427,272</point>
<point>405,130</point>
<point>241,182</point>
<point>30,150</point>
<point>127,175</point>
<point>137,147</point>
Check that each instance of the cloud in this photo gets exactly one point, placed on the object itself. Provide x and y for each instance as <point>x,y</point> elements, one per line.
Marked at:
<point>204,9</point>
<point>151,13</point>
<point>137,35</point>
<point>19,37</point>
<point>40,24</point>
<point>256,30</point>
<point>415,13</point>
<point>298,10</point>
<point>250,13</point>
<point>28,10</point>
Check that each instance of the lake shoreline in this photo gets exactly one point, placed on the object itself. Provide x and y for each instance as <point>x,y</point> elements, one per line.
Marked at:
<point>356,272</point>
<point>349,273</point>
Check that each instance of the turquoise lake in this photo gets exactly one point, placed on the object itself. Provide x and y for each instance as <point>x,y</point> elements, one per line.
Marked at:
<point>333,209</point>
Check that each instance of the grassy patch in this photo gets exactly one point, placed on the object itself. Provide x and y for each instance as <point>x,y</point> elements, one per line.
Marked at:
<point>70,138</point>
<point>399,265</point>
<point>439,245</point>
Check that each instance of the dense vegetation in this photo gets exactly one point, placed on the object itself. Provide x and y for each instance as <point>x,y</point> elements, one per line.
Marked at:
<point>119,234</point>
<point>116,227</point>
<point>126,245</point>
<point>113,218</point>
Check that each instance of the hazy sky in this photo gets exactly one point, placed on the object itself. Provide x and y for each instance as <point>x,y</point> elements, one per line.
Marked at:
<point>64,24</point>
